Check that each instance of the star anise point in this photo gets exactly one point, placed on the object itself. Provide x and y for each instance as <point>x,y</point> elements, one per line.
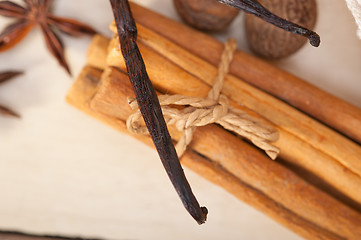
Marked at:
<point>6,76</point>
<point>37,13</point>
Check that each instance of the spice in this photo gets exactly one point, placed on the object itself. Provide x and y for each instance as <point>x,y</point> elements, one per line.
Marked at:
<point>255,8</point>
<point>5,76</point>
<point>206,15</point>
<point>271,42</point>
<point>37,13</point>
<point>108,101</point>
<point>150,108</point>
<point>149,105</point>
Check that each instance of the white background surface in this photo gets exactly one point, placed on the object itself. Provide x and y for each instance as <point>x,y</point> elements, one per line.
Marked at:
<point>62,172</point>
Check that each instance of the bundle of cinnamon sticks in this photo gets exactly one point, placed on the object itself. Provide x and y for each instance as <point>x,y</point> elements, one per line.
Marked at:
<point>313,186</point>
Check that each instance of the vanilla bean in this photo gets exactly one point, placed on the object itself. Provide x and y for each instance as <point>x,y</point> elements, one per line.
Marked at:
<point>150,108</point>
<point>254,7</point>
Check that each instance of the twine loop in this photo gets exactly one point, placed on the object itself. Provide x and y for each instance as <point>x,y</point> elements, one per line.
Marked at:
<point>213,109</point>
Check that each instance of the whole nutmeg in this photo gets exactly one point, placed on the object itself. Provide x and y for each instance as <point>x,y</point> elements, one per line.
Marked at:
<point>208,15</point>
<point>269,41</point>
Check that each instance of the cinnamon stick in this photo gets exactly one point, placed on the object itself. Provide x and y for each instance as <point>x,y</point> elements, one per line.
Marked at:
<point>98,51</point>
<point>315,206</point>
<point>303,141</point>
<point>244,162</point>
<point>82,93</point>
<point>321,105</point>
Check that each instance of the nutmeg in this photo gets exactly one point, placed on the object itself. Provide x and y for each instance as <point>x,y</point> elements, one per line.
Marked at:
<point>271,42</point>
<point>208,15</point>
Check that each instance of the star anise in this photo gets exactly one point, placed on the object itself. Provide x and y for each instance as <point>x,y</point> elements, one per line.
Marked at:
<point>37,13</point>
<point>5,76</point>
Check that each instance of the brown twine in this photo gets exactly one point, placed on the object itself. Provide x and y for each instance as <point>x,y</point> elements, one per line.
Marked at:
<point>213,109</point>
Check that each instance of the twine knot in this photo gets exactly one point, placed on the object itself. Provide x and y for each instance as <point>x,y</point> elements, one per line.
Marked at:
<point>213,109</point>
